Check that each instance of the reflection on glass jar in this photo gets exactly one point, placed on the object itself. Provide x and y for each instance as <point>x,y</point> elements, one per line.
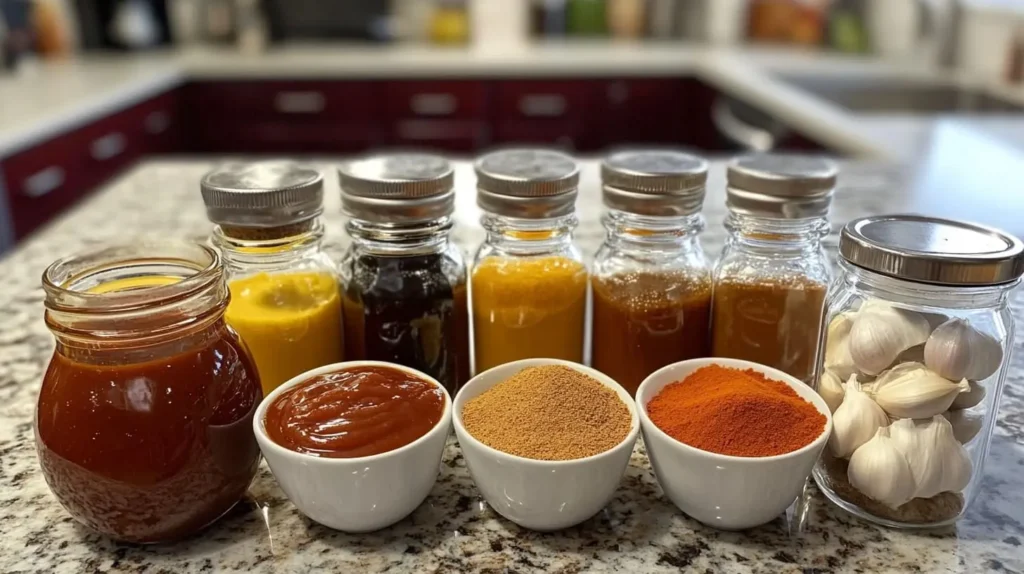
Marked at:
<point>144,419</point>
<point>914,360</point>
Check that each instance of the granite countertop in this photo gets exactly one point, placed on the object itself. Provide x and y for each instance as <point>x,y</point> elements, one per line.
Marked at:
<point>454,531</point>
<point>55,96</point>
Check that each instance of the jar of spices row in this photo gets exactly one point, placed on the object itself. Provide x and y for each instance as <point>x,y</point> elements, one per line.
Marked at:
<point>651,281</point>
<point>285,296</point>
<point>914,362</point>
<point>529,282</point>
<point>771,279</point>
<point>405,297</point>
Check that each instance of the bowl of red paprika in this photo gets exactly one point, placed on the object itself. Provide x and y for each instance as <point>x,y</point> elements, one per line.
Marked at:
<point>731,442</point>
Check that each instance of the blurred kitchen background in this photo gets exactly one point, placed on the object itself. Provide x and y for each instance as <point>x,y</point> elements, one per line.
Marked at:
<point>90,87</point>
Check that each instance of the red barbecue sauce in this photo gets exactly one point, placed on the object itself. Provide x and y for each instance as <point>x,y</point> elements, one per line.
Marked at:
<point>355,412</point>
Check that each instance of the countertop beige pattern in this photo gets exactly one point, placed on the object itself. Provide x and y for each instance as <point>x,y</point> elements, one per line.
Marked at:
<point>454,531</point>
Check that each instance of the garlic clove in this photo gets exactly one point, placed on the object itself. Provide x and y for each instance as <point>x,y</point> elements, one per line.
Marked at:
<point>837,350</point>
<point>938,462</point>
<point>966,424</point>
<point>855,421</point>
<point>830,387</point>
<point>972,397</point>
<point>955,350</point>
<point>879,470</point>
<point>913,391</point>
<point>881,333</point>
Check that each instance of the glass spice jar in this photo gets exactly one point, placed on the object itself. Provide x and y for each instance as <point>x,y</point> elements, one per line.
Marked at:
<point>144,420</point>
<point>651,283</point>
<point>405,297</point>
<point>773,274</point>
<point>285,293</point>
<point>913,364</point>
<point>529,281</point>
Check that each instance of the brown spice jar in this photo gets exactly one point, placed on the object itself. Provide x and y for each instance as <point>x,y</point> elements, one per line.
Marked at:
<point>645,320</point>
<point>772,321</point>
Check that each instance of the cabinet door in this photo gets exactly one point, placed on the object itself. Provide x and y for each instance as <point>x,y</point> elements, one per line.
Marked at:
<point>437,100</point>
<point>44,180</point>
<point>560,113</point>
<point>644,111</point>
<point>160,122</point>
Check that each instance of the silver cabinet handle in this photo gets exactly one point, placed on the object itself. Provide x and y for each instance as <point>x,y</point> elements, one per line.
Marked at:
<point>434,104</point>
<point>300,102</point>
<point>157,122</point>
<point>44,181</point>
<point>542,105</point>
<point>750,137</point>
<point>108,147</point>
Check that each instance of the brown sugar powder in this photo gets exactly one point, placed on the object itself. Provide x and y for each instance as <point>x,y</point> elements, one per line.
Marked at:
<point>548,413</point>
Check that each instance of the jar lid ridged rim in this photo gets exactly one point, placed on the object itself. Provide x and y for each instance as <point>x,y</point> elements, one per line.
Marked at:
<point>656,172</point>
<point>397,176</point>
<point>527,172</point>
<point>933,250</point>
<point>262,194</point>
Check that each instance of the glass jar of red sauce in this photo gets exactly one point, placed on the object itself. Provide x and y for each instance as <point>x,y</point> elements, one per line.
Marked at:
<point>144,420</point>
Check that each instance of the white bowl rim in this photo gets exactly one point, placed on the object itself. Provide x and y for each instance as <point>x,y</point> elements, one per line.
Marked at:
<point>816,400</point>
<point>631,436</point>
<point>261,411</point>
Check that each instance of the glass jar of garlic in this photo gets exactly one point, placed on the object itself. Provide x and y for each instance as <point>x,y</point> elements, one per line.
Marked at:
<point>913,363</point>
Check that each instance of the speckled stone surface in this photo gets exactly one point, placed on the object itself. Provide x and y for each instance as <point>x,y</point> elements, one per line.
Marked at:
<point>454,531</point>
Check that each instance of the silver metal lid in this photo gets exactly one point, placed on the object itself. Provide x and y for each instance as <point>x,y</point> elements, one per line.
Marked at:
<point>781,186</point>
<point>398,188</point>
<point>659,183</point>
<point>527,183</point>
<point>262,194</point>
<point>932,250</point>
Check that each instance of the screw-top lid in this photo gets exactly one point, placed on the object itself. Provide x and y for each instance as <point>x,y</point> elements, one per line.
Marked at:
<point>781,186</point>
<point>659,183</point>
<point>263,194</point>
<point>403,188</point>
<point>932,250</point>
<point>527,183</point>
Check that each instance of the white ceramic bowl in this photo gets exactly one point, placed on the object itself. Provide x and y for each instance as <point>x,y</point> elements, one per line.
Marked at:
<point>727,492</point>
<point>540,494</point>
<point>357,494</point>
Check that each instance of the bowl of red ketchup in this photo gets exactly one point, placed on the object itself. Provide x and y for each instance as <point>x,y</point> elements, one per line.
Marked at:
<point>356,446</point>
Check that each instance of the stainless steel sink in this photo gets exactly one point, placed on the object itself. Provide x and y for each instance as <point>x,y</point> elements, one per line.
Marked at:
<point>897,96</point>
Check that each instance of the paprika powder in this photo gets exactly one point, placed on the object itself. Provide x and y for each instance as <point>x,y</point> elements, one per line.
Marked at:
<point>735,412</point>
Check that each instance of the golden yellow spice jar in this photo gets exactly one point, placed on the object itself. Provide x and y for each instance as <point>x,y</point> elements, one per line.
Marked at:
<point>529,283</point>
<point>285,294</point>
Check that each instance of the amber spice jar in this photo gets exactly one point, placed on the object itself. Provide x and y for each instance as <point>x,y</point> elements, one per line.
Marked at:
<point>772,277</point>
<point>651,282</point>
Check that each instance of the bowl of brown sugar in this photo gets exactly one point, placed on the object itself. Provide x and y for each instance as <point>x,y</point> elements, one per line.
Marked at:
<point>546,441</point>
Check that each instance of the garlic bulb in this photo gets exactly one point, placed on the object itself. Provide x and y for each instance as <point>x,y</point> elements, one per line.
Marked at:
<point>855,420</point>
<point>956,350</point>
<point>911,390</point>
<point>881,332</point>
<point>879,470</point>
<point>837,348</point>
<point>966,424</point>
<point>830,387</point>
<point>972,398</point>
<point>937,461</point>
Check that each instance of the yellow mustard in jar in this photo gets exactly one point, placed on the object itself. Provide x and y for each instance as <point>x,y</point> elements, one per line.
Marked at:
<point>290,321</point>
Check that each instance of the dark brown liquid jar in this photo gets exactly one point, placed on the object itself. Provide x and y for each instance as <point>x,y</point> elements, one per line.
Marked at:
<point>773,274</point>
<point>144,419</point>
<point>651,282</point>
<point>404,297</point>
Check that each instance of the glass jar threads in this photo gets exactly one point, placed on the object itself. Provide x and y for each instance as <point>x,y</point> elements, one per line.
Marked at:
<point>529,282</point>
<point>144,420</point>
<point>405,281</point>
<point>651,282</point>
<point>914,360</point>
<point>772,276</point>
<point>285,296</point>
